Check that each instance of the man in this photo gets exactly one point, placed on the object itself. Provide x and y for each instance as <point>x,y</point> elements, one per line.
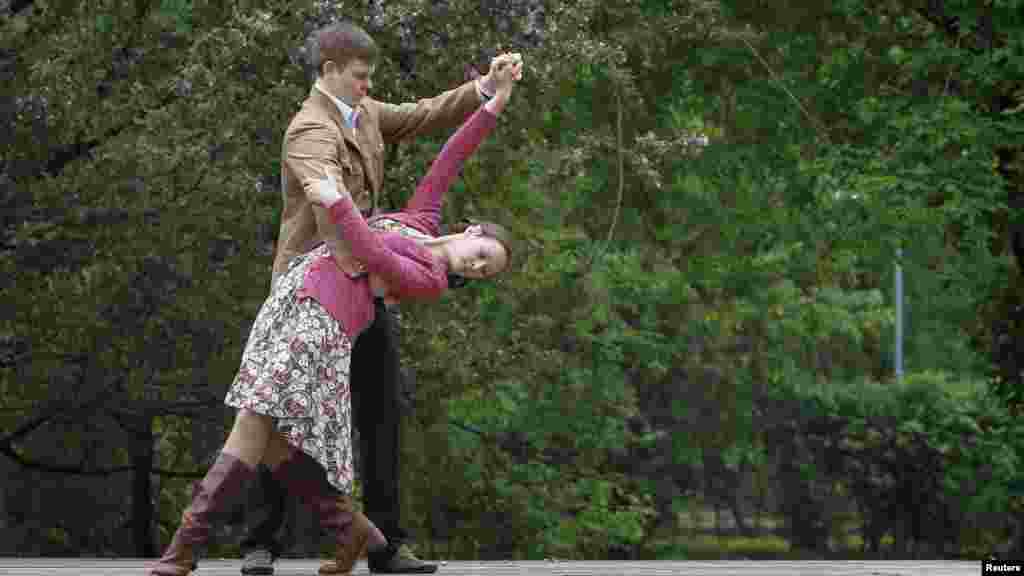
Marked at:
<point>341,131</point>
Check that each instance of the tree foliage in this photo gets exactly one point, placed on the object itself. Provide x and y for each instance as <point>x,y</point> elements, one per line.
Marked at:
<point>685,321</point>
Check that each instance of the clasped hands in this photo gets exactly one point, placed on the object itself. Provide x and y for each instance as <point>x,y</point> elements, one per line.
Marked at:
<point>492,82</point>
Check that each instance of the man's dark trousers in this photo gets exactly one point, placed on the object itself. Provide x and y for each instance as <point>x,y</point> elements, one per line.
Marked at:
<point>374,383</point>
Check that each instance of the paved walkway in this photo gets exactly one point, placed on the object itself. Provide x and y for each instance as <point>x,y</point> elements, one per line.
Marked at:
<point>101,567</point>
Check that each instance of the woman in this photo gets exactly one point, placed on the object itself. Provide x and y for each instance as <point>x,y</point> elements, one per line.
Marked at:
<point>291,391</point>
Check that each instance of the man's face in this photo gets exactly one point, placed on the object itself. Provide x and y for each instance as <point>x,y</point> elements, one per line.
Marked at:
<point>349,84</point>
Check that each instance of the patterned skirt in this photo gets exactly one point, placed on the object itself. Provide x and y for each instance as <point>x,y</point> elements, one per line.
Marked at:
<point>295,369</point>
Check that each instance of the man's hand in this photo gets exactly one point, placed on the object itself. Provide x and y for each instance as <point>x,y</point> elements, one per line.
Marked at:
<point>325,192</point>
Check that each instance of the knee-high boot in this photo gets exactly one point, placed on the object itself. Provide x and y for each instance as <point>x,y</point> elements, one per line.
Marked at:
<point>223,484</point>
<point>303,477</point>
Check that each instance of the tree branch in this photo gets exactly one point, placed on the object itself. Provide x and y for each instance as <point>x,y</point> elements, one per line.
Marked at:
<point>96,472</point>
<point>622,183</point>
<point>778,81</point>
<point>19,5</point>
<point>24,430</point>
<point>932,12</point>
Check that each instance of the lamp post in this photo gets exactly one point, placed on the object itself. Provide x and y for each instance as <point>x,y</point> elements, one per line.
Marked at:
<point>898,347</point>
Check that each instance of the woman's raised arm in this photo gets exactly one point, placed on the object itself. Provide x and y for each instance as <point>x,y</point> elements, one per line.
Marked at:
<point>425,204</point>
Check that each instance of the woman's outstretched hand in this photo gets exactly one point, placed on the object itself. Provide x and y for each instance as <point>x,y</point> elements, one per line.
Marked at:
<point>326,191</point>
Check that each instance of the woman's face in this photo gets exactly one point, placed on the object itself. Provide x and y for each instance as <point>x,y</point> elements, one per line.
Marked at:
<point>475,256</point>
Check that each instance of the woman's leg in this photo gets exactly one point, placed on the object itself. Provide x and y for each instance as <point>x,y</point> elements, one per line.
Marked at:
<point>278,451</point>
<point>249,437</point>
<point>306,479</point>
<point>224,482</point>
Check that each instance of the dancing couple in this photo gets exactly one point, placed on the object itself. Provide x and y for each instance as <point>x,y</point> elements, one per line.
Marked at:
<point>292,391</point>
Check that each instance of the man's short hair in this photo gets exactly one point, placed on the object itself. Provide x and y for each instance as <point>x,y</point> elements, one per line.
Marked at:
<point>341,43</point>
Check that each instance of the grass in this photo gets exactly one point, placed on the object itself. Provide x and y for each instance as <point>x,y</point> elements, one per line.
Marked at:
<point>710,547</point>
<point>697,539</point>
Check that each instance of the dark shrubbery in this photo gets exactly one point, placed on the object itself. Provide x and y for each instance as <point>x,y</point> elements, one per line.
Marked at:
<point>934,468</point>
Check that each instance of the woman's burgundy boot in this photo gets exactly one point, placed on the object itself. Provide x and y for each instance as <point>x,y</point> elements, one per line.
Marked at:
<point>303,477</point>
<point>223,484</point>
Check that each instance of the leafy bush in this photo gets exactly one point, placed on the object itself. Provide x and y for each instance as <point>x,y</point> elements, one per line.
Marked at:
<point>932,461</point>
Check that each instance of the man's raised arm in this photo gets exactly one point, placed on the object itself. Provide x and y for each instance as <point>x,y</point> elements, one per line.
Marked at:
<point>445,111</point>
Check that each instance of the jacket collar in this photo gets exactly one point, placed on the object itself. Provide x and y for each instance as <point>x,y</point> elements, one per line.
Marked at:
<point>326,102</point>
<point>348,114</point>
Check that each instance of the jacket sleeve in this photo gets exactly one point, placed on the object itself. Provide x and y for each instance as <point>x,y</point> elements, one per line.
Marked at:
<point>425,204</point>
<point>311,154</point>
<point>442,112</point>
<point>411,277</point>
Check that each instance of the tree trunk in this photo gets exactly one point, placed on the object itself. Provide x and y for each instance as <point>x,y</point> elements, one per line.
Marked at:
<point>718,519</point>
<point>759,499</point>
<point>142,490</point>
<point>737,513</point>
<point>736,498</point>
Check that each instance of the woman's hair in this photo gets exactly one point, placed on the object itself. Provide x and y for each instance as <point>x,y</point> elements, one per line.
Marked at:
<point>341,42</point>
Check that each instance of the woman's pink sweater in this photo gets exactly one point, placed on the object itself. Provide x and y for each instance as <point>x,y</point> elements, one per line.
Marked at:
<point>408,267</point>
